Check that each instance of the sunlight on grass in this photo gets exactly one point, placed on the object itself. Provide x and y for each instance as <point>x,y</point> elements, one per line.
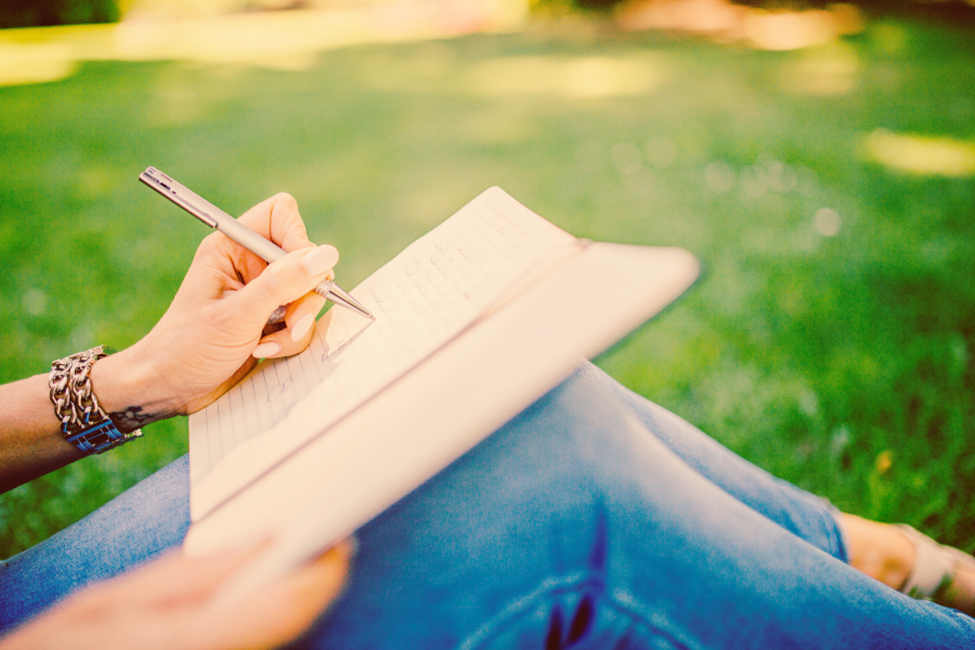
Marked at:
<point>830,70</point>
<point>568,76</point>
<point>921,156</point>
<point>788,30</point>
<point>34,63</point>
<point>285,40</point>
<point>774,30</point>
<point>435,70</point>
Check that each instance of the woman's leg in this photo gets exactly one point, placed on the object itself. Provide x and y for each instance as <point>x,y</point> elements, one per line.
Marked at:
<point>570,523</point>
<point>139,524</point>
<point>572,527</point>
<point>810,517</point>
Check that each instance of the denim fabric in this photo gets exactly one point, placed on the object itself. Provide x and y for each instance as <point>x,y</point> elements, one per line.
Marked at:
<point>139,524</point>
<point>594,519</point>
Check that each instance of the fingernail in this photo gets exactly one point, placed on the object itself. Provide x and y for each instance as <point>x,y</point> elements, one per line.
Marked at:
<point>320,259</point>
<point>265,350</point>
<point>301,327</point>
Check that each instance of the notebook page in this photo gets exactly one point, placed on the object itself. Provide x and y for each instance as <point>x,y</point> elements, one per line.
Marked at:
<point>425,296</point>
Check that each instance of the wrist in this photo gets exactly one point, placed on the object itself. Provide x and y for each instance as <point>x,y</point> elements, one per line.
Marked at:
<point>127,389</point>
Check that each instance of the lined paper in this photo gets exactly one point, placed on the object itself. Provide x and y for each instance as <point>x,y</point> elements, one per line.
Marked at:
<point>428,294</point>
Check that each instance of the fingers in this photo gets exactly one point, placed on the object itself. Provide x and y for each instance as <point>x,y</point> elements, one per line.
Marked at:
<point>167,583</point>
<point>278,219</point>
<point>300,327</point>
<point>284,609</point>
<point>173,576</point>
<point>291,280</point>
<point>176,602</point>
<point>306,592</point>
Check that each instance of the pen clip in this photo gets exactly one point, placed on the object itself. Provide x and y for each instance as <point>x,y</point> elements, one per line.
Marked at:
<point>178,194</point>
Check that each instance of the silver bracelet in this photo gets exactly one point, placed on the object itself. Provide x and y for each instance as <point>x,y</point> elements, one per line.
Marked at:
<point>83,422</point>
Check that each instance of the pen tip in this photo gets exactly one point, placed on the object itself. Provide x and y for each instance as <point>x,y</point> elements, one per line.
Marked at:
<point>340,297</point>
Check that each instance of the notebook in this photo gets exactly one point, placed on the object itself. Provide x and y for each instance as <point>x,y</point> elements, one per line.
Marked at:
<point>474,321</point>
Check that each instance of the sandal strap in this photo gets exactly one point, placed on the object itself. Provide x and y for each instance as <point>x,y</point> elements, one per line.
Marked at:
<point>934,565</point>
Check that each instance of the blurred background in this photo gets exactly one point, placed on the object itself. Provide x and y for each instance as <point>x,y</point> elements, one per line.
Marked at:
<point>818,158</point>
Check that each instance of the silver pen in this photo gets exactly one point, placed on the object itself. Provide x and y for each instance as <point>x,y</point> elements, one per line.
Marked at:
<point>214,217</point>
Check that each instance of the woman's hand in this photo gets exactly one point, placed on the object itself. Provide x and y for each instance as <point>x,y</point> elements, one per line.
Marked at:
<point>172,603</point>
<point>216,326</point>
<point>206,342</point>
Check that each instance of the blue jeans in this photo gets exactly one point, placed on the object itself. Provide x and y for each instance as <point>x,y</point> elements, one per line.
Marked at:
<point>594,519</point>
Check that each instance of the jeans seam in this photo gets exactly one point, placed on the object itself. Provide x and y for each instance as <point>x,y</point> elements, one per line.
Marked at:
<point>548,592</point>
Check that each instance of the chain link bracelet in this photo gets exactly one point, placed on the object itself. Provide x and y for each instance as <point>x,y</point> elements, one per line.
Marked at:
<point>83,422</point>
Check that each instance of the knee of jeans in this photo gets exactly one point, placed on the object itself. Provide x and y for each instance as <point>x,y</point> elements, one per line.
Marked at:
<point>580,418</point>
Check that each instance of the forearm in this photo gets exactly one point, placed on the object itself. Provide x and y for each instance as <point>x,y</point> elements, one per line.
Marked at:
<point>30,435</point>
<point>31,443</point>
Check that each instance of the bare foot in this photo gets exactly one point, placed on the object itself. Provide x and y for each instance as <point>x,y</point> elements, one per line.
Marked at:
<point>879,550</point>
<point>887,553</point>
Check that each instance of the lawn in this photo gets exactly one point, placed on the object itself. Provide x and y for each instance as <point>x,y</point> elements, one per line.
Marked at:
<point>828,192</point>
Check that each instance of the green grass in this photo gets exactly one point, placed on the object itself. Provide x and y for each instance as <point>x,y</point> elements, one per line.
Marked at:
<point>842,363</point>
